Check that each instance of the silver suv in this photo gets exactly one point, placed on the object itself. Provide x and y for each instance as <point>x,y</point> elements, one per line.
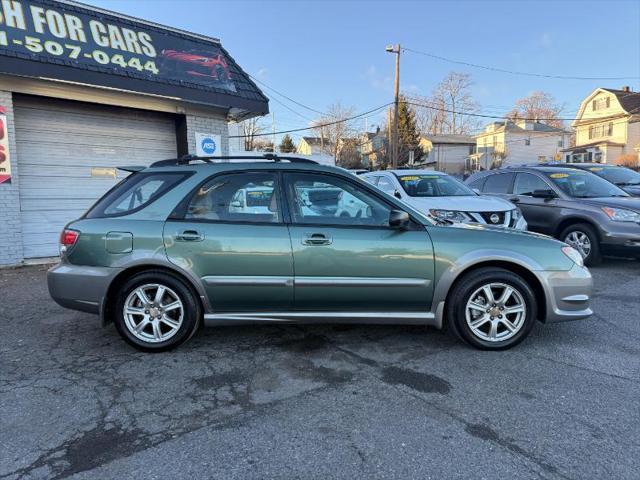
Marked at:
<point>439,195</point>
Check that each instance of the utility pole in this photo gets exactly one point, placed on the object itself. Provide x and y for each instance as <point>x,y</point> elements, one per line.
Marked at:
<point>395,136</point>
<point>273,127</point>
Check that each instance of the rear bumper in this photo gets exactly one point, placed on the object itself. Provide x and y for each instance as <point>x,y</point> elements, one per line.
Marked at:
<point>568,294</point>
<point>80,287</point>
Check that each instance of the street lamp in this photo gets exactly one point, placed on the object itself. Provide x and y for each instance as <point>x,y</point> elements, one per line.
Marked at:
<point>394,142</point>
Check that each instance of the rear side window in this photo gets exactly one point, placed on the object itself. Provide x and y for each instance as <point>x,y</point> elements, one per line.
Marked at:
<point>526,184</point>
<point>478,184</point>
<point>237,197</point>
<point>499,183</point>
<point>134,193</point>
<point>385,185</point>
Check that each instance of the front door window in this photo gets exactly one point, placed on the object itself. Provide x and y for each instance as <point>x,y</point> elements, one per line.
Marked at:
<point>326,200</point>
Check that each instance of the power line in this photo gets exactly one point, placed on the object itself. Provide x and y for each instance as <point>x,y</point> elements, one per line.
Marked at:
<point>288,98</point>
<point>513,72</point>
<point>420,105</point>
<point>318,125</point>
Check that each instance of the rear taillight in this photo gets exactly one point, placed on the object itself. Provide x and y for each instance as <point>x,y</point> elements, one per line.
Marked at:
<point>68,239</point>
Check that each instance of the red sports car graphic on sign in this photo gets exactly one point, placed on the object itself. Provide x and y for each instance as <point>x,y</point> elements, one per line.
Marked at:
<point>204,65</point>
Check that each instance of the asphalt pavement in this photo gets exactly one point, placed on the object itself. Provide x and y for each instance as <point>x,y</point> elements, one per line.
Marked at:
<point>319,402</point>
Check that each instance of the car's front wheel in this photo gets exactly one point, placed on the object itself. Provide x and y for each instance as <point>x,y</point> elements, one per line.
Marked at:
<point>156,311</point>
<point>584,239</point>
<point>492,308</point>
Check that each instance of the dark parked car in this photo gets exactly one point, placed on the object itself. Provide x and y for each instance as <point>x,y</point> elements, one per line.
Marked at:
<point>576,206</point>
<point>625,178</point>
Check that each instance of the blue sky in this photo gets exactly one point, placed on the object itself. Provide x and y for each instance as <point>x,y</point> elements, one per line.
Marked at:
<point>321,52</point>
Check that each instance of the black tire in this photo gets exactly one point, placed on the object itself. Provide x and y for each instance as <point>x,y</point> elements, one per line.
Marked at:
<point>595,257</point>
<point>192,311</point>
<point>461,294</point>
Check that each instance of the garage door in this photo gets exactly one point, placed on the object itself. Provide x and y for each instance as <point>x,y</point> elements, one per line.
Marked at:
<point>66,154</point>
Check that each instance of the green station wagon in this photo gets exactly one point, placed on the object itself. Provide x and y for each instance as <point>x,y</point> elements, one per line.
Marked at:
<point>195,241</point>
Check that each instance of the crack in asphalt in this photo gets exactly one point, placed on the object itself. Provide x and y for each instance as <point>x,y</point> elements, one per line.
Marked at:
<point>426,383</point>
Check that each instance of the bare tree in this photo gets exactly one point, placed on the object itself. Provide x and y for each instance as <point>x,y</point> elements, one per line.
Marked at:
<point>538,105</point>
<point>333,128</point>
<point>250,130</point>
<point>444,110</point>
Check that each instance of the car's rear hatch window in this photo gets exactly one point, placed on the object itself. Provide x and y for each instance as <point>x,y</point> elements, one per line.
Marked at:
<point>134,193</point>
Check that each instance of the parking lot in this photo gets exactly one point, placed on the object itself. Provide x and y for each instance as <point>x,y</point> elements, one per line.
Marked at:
<point>319,401</point>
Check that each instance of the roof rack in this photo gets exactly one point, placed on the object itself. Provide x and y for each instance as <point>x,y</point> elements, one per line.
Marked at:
<point>187,159</point>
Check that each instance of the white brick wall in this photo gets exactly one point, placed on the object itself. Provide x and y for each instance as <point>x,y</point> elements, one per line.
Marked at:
<point>214,125</point>
<point>10,224</point>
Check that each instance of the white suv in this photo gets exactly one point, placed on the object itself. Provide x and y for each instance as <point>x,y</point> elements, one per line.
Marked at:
<point>442,196</point>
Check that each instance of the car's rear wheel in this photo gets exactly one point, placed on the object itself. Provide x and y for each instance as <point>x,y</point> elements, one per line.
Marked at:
<point>492,309</point>
<point>584,239</point>
<point>155,311</point>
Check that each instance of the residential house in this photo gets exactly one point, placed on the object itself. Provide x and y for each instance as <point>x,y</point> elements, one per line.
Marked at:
<point>373,146</point>
<point>314,146</point>
<point>607,127</point>
<point>517,142</point>
<point>447,153</point>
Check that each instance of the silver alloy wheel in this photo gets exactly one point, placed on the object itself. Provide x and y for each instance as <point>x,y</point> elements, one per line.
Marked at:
<point>495,312</point>
<point>580,241</point>
<point>153,313</point>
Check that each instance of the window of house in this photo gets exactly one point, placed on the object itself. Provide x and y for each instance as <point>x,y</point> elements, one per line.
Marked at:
<point>527,141</point>
<point>600,103</point>
<point>561,143</point>
<point>601,130</point>
<point>542,158</point>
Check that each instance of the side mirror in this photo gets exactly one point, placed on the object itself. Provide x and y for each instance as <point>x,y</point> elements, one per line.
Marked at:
<point>236,204</point>
<point>397,195</point>
<point>546,194</point>
<point>398,219</point>
<point>477,190</point>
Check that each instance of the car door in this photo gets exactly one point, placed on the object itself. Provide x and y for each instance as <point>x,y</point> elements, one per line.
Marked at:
<point>355,263</point>
<point>230,234</point>
<point>538,212</point>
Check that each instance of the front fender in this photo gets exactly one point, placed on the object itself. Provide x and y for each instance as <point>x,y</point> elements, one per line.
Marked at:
<point>449,270</point>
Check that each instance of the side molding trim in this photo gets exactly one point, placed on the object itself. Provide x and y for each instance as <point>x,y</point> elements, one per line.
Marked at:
<point>400,318</point>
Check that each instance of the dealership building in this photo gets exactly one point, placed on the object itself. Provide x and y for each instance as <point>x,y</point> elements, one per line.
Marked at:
<point>85,90</point>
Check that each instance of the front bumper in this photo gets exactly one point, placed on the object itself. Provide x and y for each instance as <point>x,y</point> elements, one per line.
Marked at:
<point>621,238</point>
<point>568,294</point>
<point>80,287</point>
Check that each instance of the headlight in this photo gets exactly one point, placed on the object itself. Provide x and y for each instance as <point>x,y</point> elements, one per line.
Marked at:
<point>574,255</point>
<point>450,215</point>
<point>621,214</point>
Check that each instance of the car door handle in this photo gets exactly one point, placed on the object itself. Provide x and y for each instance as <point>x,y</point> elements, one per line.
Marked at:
<point>317,239</point>
<point>189,236</point>
<point>514,199</point>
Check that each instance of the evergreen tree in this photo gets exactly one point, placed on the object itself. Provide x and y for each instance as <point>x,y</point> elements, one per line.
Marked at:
<point>408,133</point>
<point>287,145</point>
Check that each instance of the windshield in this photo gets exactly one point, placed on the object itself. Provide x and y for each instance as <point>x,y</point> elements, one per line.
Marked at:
<point>580,184</point>
<point>425,185</point>
<point>618,175</point>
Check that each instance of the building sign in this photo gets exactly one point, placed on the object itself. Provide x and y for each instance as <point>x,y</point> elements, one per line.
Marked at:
<point>49,39</point>
<point>207,144</point>
<point>5,163</point>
